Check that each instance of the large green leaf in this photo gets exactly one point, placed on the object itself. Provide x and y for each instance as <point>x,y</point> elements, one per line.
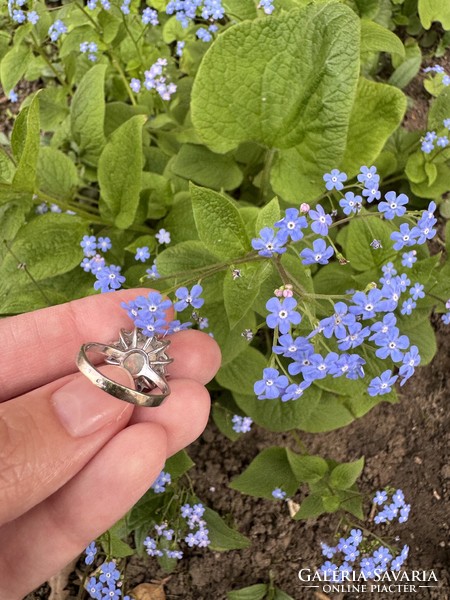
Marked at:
<point>119,172</point>
<point>269,470</point>
<point>361,232</point>
<point>57,175</point>
<point>240,293</point>
<point>240,374</point>
<point>219,224</point>
<point>221,535</point>
<point>240,9</point>
<point>87,114</point>
<point>376,38</point>
<point>14,65</point>
<point>377,112</point>
<point>49,245</point>
<point>434,10</point>
<point>281,82</point>
<point>200,165</point>
<point>25,175</point>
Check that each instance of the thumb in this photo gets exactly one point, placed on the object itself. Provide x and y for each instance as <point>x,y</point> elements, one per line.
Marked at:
<point>48,435</point>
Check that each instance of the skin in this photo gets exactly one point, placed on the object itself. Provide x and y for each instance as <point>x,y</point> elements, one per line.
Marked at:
<point>59,492</point>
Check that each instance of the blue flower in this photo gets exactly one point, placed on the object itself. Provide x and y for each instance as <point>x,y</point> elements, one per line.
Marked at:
<point>446,318</point>
<point>409,258</point>
<point>153,272</point>
<point>151,326</point>
<point>104,244</point>
<point>391,344</point>
<point>109,572</point>
<point>189,298</point>
<point>282,314</point>
<point>394,205</point>
<point>319,366</point>
<point>355,336</point>
<point>372,193</point>
<point>351,203</point>
<point>241,424</point>
<point>176,326</point>
<point>271,386</point>
<point>321,221</point>
<point>328,568</point>
<point>267,6</point>
<point>382,555</point>
<point>32,17</point>
<point>404,513</point>
<point>416,291</point>
<point>279,494</point>
<point>142,254</point>
<point>90,551</point>
<point>135,85</point>
<point>410,361</point>
<point>408,306</point>
<point>89,245</point>
<point>203,34</point>
<point>292,224</point>
<point>380,497</point>
<point>149,15</point>
<point>404,237</point>
<point>109,278</point>
<point>269,242</point>
<point>159,485</point>
<point>334,180</point>
<point>151,547</point>
<point>111,593</point>
<point>94,588</point>
<point>163,236</point>
<point>335,325</point>
<point>328,551</point>
<point>356,537</point>
<point>56,30</point>
<point>320,253</point>
<point>366,305</point>
<point>178,554</point>
<point>289,347</point>
<point>294,391</point>
<point>383,384</point>
<point>442,141</point>
<point>368,176</point>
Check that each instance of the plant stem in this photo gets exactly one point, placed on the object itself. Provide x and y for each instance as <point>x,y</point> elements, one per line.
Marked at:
<point>43,54</point>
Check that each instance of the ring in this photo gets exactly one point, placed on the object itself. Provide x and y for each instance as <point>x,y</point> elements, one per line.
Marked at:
<point>143,357</point>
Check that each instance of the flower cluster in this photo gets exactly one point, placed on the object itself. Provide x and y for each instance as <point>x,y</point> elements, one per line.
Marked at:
<point>19,15</point>
<point>206,34</point>
<point>350,554</point>
<point>267,6</point>
<point>106,585</point>
<point>149,313</point>
<point>279,494</point>
<point>193,532</point>
<point>438,70</point>
<point>397,508</point>
<point>108,277</point>
<point>365,316</point>
<point>241,424</point>
<point>159,485</point>
<point>56,30</point>
<point>150,16</point>
<point>431,138</point>
<point>187,10</point>
<point>155,79</point>
<point>89,48</point>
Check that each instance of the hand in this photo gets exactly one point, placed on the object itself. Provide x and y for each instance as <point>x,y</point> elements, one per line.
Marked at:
<point>74,460</point>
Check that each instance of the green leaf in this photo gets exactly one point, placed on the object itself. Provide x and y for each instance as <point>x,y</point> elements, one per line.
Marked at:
<point>439,110</point>
<point>200,165</point>
<point>269,470</point>
<point>280,81</point>
<point>361,232</point>
<point>223,537</point>
<point>377,112</point>
<point>119,172</point>
<point>184,258</point>
<point>14,65</point>
<point>113,546</point>
<point>276,415</point>
<point>327,414</point>
<point>307,469</point>
<point>434,10</point>
<point>420,334</point>
<point>376,38</point>
<point>253,592</point>
<point>344,476</point>
<point>268,215</point>
<point>178,464</point>
<point>49,245</point>
<point>408,69</point>
<point>240,374</point>
<point>87,114</point>
<point>311,507</point>
<point>240,9</point>
<point>438,188</point>
<point>57,175</point>
<point>239,294</point>
<point>223,421</point>
<point>53,107</point>
<point>219,224</point>
<point>7,168</point>
<point>25,175</point>
<point>415,167</point>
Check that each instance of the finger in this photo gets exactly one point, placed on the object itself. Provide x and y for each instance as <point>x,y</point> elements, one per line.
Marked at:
<point>196,356</point>
<point>48,435</point>
<point>183,414</point>
<point>42,345</point>
<point>62,526</point>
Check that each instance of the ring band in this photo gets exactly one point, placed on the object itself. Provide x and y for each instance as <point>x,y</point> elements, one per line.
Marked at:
<point>143,357</point>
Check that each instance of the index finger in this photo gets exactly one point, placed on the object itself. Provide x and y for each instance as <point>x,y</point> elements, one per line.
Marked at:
<point>41,346</point>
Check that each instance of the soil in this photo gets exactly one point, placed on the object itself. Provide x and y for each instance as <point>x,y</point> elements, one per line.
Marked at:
<point>406,445</point>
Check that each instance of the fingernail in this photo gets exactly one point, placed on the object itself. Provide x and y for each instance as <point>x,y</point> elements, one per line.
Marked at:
<point>83,408</point>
